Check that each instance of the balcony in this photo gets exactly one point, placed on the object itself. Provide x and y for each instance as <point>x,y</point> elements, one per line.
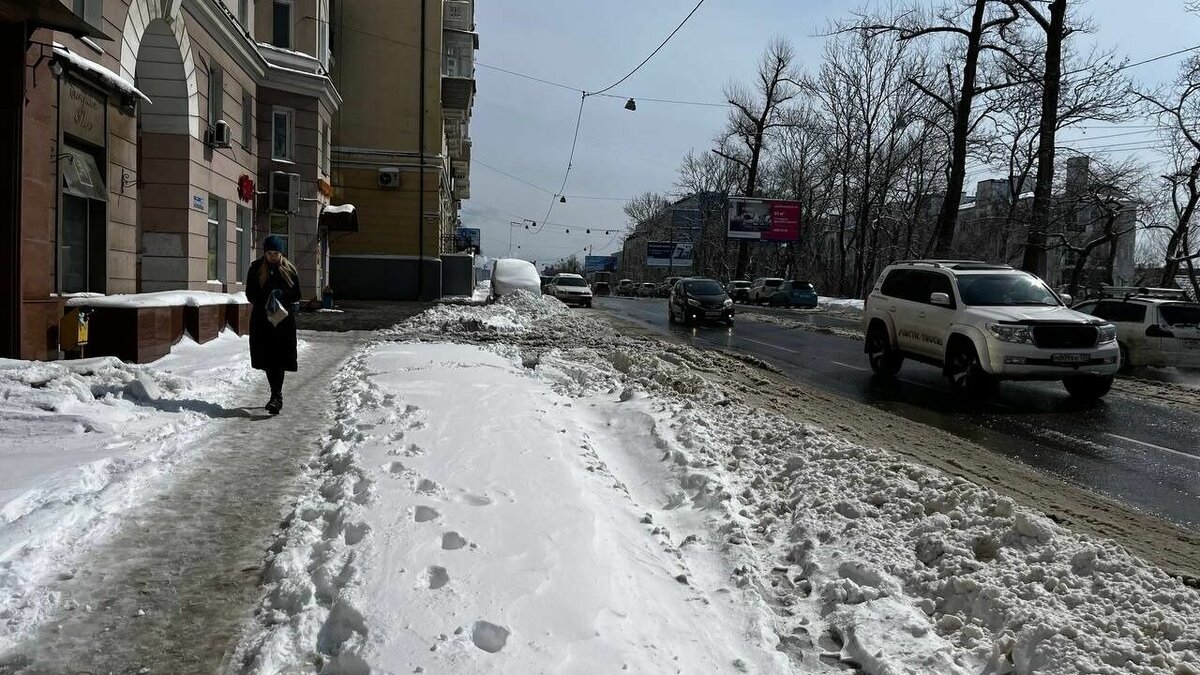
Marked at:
<point>458,71</point>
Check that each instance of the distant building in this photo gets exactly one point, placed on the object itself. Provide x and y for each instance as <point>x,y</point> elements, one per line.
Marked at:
<point>697,219</point>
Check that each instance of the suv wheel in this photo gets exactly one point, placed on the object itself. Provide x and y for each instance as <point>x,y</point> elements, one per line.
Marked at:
<point>967,376</point>
<point>1126,366</point>
<point>884,360</point>
<point>1088,387</point>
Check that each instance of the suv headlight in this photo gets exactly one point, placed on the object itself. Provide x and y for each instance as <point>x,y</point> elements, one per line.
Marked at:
<point>1108,333</point>
<point>1017,334</point>
<point>728,302</point>
<point>693,302</point>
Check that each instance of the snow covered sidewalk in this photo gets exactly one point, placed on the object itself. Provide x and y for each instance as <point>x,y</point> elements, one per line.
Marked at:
<point>517,489</point>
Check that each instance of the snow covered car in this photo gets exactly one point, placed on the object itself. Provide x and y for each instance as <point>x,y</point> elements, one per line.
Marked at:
<point>572,289</point>
<point>982,323</point>
<point>510,275</point>
<point>626,288</point>
<point>794,294</point>
<point>696,300</point>
<point>647,290</point>
<point>1157,327</point>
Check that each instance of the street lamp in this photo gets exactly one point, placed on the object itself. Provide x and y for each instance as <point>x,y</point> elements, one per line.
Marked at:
<point>630,105</point>
<point>513,224</point>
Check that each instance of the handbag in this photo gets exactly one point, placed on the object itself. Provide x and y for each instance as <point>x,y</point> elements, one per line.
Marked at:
<point>276,312</point>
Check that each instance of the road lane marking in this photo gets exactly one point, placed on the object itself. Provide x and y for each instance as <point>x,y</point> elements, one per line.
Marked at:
<point>768,344</point>
<point>847,365</point>
<point>918,384</point>
<point>1151,445</point>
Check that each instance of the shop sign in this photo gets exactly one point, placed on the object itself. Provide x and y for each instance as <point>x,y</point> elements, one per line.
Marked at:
<point>83,113</point>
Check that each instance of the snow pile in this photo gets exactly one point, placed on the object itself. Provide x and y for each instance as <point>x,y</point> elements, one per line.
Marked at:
<point>159,299</point>
<point>851,304</point>
<point>84,440</point>
<point>513,314</point>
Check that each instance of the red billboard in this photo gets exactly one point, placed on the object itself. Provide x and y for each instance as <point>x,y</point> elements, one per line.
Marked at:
<point>764,219</point>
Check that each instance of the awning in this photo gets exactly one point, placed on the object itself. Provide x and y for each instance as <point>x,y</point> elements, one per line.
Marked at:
<point>106,77</point>
<point>342,218</point>
<point>81,176</point>
<point>48,14</point>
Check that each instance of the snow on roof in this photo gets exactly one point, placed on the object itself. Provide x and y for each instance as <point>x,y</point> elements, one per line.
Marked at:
<point>343,208</point>
<point>114,80</point>
<point>160,299</point>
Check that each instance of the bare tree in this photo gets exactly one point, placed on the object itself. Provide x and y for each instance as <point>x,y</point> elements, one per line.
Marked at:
<point>976,30</point>
<point>1176,111</point>
<point>644,207</point>
<point>756,111</point>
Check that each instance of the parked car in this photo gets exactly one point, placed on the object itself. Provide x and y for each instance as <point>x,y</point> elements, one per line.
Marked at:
<point>601,288</point>
<point>794,294</point>
<point>664,289</point>
<point>1155,326</point>
<point>694,300</point>
<point>626,288</point>
<point>510,275</point>
<point>762,289</point>
<point>572,289</point>
<point>647,289</point>
<point>983,323</point>
<point>545,282</point>
<point>739,291</point>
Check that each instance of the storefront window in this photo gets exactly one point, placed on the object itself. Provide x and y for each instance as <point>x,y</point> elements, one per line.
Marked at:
<point>214,238</point>
<point>83,242</point>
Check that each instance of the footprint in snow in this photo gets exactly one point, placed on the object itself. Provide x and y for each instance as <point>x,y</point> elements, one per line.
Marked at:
<point>452,541</point>
<point>437,576</point>
<point>474,499</point>
<point>424,514</point>
<point>426,486</point>
<point>488,636</point>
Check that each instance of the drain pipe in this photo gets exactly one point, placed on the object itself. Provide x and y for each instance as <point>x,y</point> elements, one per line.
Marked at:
<point>421,173</point>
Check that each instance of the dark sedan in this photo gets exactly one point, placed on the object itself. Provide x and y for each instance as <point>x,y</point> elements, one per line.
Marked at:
<point>696,300</point>
<point>794,294</point>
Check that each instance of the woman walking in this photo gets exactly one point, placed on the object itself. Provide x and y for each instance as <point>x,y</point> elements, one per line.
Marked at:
<point>273,283</point>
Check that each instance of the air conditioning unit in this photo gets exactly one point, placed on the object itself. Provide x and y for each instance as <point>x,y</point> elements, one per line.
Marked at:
<point>285,192</point>
<point>220,135</point>
<point>389,178</point>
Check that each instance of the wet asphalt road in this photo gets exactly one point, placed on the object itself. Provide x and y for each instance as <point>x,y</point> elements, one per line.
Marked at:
<point>1137,451</point>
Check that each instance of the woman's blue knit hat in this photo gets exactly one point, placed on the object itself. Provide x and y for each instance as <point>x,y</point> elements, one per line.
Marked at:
<point>273,243</point>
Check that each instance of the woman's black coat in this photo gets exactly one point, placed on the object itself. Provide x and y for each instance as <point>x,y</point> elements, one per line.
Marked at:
<point>271,347</point>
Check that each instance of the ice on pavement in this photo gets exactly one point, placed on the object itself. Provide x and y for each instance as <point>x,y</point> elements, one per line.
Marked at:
<point>82,440</point>
<point>515,488</point>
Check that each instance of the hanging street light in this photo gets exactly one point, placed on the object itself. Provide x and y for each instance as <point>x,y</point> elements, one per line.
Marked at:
<point>630,105</point>
<point>562,199</point>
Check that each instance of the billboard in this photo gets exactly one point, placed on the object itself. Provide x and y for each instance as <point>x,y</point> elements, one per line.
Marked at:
<point>676,255</point>
<point>763,219</point>
<point>466,239</point>
<point>599,263</point>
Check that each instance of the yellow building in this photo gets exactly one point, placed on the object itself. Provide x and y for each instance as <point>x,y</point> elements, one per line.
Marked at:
<point>379,152</point>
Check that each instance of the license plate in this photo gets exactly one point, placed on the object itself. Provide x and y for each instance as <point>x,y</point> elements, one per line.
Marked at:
<point>1191,343</point>
<point>1070,358</point>
<point>717,313</point>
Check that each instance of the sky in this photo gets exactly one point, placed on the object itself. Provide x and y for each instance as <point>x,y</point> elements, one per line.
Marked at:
<point>523,128</point>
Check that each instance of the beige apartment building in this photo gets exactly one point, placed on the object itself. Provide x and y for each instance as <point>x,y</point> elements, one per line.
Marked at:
<point>407,190</point>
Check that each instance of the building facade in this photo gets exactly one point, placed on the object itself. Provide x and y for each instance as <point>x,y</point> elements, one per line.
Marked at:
<point>154,142</point>
<point>402,145</point>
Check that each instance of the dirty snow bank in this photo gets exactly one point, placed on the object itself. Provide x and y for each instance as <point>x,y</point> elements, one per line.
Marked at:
<point>81,441</point>
<point>849,556</point>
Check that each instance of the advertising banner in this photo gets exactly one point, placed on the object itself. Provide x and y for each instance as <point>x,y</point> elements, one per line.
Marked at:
<point>599,263</point>
<point>764,219</point>
<point>466,239</point>
<point>676,255</point>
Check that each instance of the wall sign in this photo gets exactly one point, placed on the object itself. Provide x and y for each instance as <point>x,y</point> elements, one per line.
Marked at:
<point>82,113</point>
<point>198,203</point>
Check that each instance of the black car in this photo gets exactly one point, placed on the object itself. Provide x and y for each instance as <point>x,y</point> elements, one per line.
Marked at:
<point>695,300</point>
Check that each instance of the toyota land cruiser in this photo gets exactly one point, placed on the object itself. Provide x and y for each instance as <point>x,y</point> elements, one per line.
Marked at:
<point>982,323</point>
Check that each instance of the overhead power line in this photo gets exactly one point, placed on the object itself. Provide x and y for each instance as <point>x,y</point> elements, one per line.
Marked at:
<point>656,50</point>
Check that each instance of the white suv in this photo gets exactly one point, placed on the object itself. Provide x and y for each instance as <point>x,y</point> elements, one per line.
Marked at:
<point>571,289</point>
<point>1155,326</point>
<point>984,323</point>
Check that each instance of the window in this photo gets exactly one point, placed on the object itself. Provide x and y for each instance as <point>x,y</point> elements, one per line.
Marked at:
<point>323,36</point>
<point>281,227</point>
<point>1124,312</point>
<point>216,94</point>
<point>91,11</point>
<point>325,147</point>
<point>244,238</point>
<point>83,245</point>
<point>281,24</point>
<point>282,141</point>
<point>247,119</point>
<point>215,238</point>
<point>244,13</point>
<point>895,284</point>
<point>1005,290</point>
<point>1180,315</point>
